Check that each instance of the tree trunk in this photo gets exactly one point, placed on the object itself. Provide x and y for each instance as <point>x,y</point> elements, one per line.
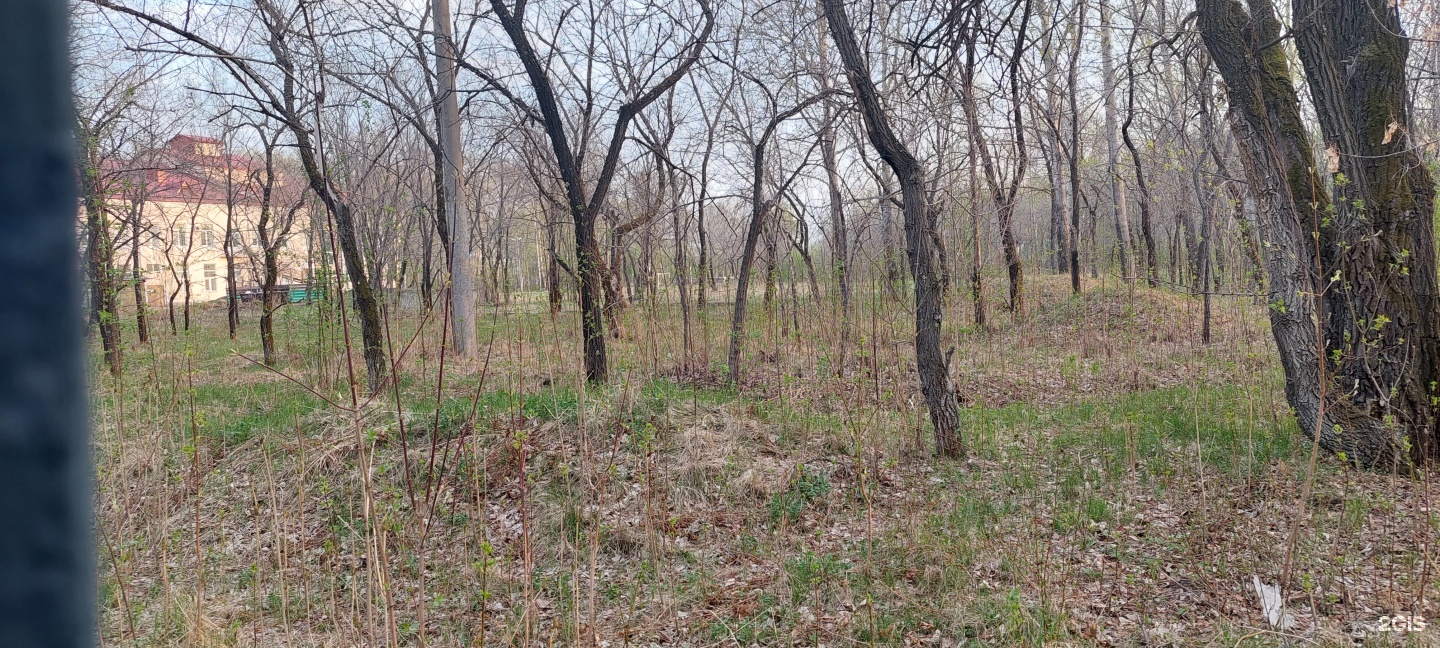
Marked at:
<point>317,174</point>
<point>1203,251</point>
<point>1185,223</point>
<point>1004,197</point>
<point>769,236</point>
<point>269,303</point>
<point>1356,331</point>
<point>1059,220</point>
<point>1147,227</point>
<point>137,274</point>
<point>839,229</point>
<point>1385,322</point>
<point>977,282</point>
<point>232,298</point>
<point>1112,148</point>
<point>758,213</point>
<point>887,236</point>
<point>932,364</point>
<point>552,266</point>
<point>104,304</point>
<point>585,202</point>
<point>682,272</point>
<point>1050,150</point>
<point>427,272</point>
<point>1074,90</point>
<point>462,280</point>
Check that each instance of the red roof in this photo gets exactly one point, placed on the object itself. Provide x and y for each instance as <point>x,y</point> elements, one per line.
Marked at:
<point>189,169</point>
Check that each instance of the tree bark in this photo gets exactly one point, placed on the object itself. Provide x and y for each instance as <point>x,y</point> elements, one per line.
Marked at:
<point>977,260</point>
<point>1352,283</point>
<point>1050,149</point>
<point>887,235</point>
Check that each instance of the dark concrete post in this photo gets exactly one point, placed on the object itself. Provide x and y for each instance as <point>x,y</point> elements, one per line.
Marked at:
<point>47,573</point>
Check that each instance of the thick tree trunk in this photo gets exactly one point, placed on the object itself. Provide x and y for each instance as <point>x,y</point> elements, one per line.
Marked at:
<point>592,323</point>
<point>1385,321</point>
<point>932,364</point>
<point>1356,331</point>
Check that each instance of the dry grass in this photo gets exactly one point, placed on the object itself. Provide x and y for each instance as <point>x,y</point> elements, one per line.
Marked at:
<point>1122,486</point>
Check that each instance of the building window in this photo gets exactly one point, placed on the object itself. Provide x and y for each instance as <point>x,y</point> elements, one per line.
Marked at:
<point>182,237</point>
<point>153,267</point>
<point>207,236</point>
<point>212,282</point>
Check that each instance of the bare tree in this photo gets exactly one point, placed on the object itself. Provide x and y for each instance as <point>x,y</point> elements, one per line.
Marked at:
<point>281,100</point>
<point>279,204</point>
<point>933,365</point>
<point>585,198</point>
<point>1004,192</point>
<point>762,203</point>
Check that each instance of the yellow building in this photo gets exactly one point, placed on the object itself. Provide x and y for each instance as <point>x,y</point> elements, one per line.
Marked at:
<point>182,202</point>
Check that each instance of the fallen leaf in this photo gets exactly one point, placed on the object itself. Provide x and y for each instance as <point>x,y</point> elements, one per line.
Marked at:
<point>1390,132</point>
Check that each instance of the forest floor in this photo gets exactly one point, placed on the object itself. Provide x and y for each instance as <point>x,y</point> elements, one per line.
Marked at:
<point>1124,485</point>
